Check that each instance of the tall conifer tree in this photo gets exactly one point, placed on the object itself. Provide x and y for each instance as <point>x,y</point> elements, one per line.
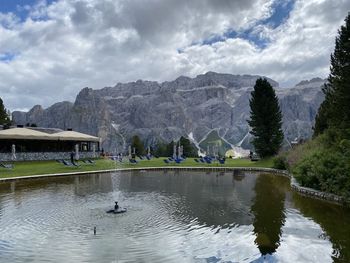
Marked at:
<point>138,145</point>
<point>265,119</point>
<point>334,112</point>
<point>4,117</point>
<point>189,149</point>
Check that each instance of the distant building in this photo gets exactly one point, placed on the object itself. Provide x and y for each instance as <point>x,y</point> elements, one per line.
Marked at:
<point>296,142</point>
<point>24,144</point>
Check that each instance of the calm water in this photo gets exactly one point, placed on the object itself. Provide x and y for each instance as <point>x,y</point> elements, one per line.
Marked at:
<point>172,217</point>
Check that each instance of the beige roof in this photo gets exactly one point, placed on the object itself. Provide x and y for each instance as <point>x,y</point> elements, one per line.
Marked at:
<point>29,134</point>
<point>74,136</point>
<point>24,133</point>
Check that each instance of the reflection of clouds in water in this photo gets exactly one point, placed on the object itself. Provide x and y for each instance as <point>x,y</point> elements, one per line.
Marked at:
<point>207,244</point>
<point>301,241</point>
<point>229,244</point>
<point>168,220</point>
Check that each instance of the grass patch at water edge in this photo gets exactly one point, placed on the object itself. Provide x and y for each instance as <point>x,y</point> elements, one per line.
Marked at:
<point>52,167</point>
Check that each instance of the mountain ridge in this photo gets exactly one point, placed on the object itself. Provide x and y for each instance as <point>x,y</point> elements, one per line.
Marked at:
<point>185,106</point>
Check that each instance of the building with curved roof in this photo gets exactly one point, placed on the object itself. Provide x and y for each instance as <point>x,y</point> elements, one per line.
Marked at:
<point>33,144</point>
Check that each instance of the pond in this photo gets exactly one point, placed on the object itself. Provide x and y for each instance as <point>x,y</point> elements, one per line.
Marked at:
<point>173,216</point>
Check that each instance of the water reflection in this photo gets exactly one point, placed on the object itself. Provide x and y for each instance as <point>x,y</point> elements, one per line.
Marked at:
<point>214,199</point>
<point>303,240</point>
<point>95,183</point>
<point>334,221</point>
<point>269,215</point>
<point>172,217</point>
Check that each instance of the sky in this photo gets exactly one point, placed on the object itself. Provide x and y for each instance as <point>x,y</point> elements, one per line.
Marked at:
<point>50,50</point>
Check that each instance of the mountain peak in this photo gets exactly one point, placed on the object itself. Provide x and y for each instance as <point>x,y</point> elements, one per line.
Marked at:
<point>169,110</point>
<point>311,81</point>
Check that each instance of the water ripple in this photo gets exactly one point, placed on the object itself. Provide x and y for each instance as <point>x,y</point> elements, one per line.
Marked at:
<point>186,218</point>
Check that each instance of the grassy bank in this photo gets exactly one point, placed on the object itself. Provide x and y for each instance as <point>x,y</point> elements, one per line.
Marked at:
<point>323,164</point>
<point>52,167</point>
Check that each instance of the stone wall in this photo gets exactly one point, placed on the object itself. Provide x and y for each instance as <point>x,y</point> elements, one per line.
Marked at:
<point>315,193</point>
<point>306,190</point>
<point>42,156</point>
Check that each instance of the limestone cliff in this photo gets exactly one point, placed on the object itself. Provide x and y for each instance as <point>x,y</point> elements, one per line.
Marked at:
<point>194,107</point>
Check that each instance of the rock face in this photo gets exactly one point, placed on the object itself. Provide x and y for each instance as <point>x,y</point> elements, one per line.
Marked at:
<point>194,107</point>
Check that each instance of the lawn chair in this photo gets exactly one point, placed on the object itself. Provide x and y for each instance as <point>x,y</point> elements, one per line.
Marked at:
<point>7,165</point>
<point>67,163</point>
<point>208,161</point>
<point>90,162</point>
<point>133,161</point>
<point>222,161</point>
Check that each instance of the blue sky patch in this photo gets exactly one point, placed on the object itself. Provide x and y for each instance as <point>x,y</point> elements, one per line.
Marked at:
<point>7,57</point>
<point>249,35</point>
<point>281,11</point>
<point>18,7</point>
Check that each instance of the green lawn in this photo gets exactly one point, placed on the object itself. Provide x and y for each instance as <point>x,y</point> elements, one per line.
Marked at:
<point>52,167</point>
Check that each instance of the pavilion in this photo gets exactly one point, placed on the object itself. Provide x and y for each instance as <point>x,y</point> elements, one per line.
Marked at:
<point>31,144</point>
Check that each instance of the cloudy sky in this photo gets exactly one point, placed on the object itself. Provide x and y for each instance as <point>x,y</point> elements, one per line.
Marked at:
<point>49,50</point>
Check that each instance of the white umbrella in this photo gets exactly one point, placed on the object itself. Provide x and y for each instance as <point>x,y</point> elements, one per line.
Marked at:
<point>174,151</point>
<point>13,152</point>
<point>94,150</point>
<point>77,152</point>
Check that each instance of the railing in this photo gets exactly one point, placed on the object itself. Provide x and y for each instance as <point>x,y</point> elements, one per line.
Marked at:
<point>41,156</point>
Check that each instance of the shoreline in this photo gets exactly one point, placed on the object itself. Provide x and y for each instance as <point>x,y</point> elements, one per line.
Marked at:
<point>305,191</point>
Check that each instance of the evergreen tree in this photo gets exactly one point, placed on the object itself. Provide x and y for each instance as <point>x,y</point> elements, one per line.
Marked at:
<point>163,149</point>
<point>160,149</point>
<point>170,149</point>
<point>265,119</point>
<point>334,112</point>
<point>4,116</point>
<point>138,145</point>
<point>188,148</point>
<point>321,119</point>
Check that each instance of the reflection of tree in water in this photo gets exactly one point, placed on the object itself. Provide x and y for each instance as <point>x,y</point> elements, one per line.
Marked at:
<point>268,211</point>
<point>238,175</point>
<point>91,184</point>
<point>334,221</point>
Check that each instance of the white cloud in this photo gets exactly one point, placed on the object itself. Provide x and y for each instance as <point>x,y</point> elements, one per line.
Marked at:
<point>67,45</point>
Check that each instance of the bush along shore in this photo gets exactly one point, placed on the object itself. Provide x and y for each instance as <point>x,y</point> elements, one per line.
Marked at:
<point>322,164</point>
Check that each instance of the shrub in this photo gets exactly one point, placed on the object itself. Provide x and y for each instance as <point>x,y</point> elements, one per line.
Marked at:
<point>280,162</point>
<point>327,171</point>
<point>306,149</point>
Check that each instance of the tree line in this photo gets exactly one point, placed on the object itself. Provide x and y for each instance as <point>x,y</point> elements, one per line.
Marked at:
<point>162,148</point>
<point>5,119</point>
<point>324,162</point>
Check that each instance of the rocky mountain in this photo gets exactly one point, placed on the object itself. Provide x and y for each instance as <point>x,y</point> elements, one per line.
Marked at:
<point>209,108</point>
